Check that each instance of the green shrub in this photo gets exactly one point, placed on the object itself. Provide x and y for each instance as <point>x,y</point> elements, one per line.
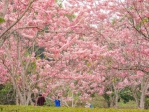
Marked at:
<point>7,95</point>
<point>146,102</point>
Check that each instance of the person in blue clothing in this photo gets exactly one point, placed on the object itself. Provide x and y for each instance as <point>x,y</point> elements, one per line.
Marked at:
<point>91,106</point>
<point>57,102</point>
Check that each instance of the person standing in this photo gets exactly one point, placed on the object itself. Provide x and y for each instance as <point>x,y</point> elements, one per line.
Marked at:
<point>91,106</point>
<point>57,102</point>
<point>41,100</point>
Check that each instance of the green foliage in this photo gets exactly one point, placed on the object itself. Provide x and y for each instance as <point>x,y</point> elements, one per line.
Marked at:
<point>107,99</point>
<point>131,20</point>
<point>113,21</point>
<point>31,67</point>
<point>147,102</point>
<point>39,52</point>
<point>2,20</point>
<point>115,80</point>
<point>131,8</point>
<point>126,95</point>
<point>7,95</point>
<point>60,5</point>
<point>123,18</point>
<point>9,108</point>
<point>88,63</point>
<point>138,26</point>
<point>70,17</point>
<point>145,20</point>
<point>59,2</point>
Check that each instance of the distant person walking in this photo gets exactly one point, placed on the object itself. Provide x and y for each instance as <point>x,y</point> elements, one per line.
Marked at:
<point>41,100</point>
<point>57,102</point>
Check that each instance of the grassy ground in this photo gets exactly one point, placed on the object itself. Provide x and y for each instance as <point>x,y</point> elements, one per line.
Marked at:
<point>129,105</point>
<point>100,103</point>
<point>12,108</point>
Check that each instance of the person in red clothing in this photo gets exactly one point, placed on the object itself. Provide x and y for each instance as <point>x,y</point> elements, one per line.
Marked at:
<point>41,100</point>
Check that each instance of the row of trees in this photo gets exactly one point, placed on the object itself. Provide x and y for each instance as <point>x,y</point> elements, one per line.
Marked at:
<point>81,46</point>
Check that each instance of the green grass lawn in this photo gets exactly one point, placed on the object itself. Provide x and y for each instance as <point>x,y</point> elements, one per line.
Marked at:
<point>128,105</point>
<point>12,108</point>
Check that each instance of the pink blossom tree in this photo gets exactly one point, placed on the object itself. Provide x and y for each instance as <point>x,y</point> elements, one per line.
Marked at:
<point>26,24</point>
<point>127,35</point>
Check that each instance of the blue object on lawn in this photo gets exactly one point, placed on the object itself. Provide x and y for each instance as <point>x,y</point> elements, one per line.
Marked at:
<point>57,103</point>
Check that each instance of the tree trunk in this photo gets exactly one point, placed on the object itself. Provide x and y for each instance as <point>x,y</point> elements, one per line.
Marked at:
<point>17,100</point>
<point>136,99</point>
<point>143,91</point>
<point>72,100</point>
<point>116,99</point>
<point>111,101</point>
<point>142,100</point>
<point>134,92</point>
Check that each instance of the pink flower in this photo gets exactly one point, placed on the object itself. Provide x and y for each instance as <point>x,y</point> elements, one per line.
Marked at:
<point>35,90</point>
<point>109,92</point>
<point>140,0</point>
<point>147,14</point>
<point>140,73</point>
